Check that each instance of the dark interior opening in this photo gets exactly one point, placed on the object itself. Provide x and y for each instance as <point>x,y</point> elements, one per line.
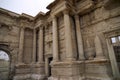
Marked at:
<point>49,60</point>
<point>117,55</point>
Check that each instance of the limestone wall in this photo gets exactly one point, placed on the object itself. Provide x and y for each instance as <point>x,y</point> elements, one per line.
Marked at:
<point>4,70</point>
<point>28,46</point>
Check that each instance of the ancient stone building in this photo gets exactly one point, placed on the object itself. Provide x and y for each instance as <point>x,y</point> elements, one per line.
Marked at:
<point>75,40</point>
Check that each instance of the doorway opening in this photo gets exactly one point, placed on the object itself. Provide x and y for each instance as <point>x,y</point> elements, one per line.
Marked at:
<point>116,47</point>
<point>4,65</point>
<point>49,66</point>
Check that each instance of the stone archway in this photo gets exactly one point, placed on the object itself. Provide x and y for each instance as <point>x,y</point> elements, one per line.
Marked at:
<point>5,48</point>
<point>4,65</point>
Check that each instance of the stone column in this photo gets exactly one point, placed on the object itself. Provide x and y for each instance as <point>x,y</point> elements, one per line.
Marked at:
<point>68,36</point>
<point>40,45</point>
<point>34,46</point>
<point>79,38</point>
<point>21,46</point>
<point>55,40</point>
<point>98,48</point>
<point>46,67</point>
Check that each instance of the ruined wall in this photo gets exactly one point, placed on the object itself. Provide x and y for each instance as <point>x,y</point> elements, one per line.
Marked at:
<point>95,23</point>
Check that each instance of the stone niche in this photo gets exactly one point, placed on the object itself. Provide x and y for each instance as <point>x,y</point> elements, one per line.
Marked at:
<point>28,45</point>
<point>4,31</point>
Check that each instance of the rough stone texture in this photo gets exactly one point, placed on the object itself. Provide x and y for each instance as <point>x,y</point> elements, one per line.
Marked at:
<point>4,69</point>
<point>76,36</point>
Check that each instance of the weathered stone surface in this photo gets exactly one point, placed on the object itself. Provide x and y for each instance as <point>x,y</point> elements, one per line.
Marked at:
<point>71,42</point>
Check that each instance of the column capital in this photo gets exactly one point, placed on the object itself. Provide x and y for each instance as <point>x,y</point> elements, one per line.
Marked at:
<point>54,17</point>
<point>22,27</point>
<point>34,29</point>
<point>66,11</point>
<point>41,27</point>
<point>76,16</point>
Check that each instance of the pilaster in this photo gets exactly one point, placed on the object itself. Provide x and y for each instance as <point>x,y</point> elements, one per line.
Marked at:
<point>55,40</point>
<point>40,45</point>
<point>21,46</point>
<point>34,46</point>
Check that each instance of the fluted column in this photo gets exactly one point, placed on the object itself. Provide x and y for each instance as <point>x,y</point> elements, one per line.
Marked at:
<point>21,46</point>
<point>68,36</point>
<point>34,46</point>
<point>55,40</point>
<point>40,45</point>
<point>79,38</point>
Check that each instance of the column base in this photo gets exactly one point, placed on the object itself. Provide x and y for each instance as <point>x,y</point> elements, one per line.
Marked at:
<point>70,59</point>
<point>18,64</point>
<point>40,63</point>
<point>97,69</point>
<point>100,58</point>
<point>81,70</point>
<point>68,70</point>
<point>38,68</point>
<point>30,72</point>
<point>30,77</point>
<point>81,59</point>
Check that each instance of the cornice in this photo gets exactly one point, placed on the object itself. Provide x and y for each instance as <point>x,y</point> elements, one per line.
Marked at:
<point>9,13</point>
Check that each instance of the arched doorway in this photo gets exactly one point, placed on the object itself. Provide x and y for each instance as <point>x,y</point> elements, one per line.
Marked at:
<point>4,65</point>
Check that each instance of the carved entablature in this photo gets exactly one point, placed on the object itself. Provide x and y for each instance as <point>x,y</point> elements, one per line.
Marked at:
<point>84,5</point>
<point>112,33</point>
<point>111,4</point>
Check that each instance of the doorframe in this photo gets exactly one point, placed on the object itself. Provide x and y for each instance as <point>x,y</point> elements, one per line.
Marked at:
<point>47,56</point>
<point>112,57</point>
<point>5,47</point>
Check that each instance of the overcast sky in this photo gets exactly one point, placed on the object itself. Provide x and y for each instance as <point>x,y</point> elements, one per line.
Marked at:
<point>3,55</point>
<point>31,7</point>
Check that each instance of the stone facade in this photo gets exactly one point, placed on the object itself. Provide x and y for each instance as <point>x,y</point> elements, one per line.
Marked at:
<point>75,40</point>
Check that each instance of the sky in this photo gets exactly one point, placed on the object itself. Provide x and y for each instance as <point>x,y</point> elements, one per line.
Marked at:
<point>31,7</point>
<point>4,55</point>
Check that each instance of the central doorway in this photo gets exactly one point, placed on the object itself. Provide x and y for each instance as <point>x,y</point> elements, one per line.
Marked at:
<point>49,66</point>
<point>4,65</point>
